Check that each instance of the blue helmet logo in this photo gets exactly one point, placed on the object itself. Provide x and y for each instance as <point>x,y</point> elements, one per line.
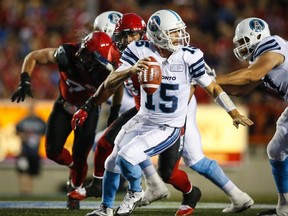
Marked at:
<point>257,25</point>
<point>152,26</point>
<point>114,17</point>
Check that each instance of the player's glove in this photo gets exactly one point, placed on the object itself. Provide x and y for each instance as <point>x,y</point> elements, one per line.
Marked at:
<point>114,113</point>
<point>79,118</point>
<point>81,115</point>
<point>23,89</point>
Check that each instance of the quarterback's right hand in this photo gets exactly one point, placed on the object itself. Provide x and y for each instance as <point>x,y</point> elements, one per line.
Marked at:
<point>78,118</point>
<point>23,89</point>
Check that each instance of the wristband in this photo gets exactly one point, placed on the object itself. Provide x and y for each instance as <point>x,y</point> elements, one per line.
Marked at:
<point>115,108</point>
<point>225,102</point>
<point>88,105</point>
<point>25,77</point>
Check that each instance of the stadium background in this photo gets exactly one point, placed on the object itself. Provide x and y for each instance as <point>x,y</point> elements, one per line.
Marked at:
<point>27,25</point>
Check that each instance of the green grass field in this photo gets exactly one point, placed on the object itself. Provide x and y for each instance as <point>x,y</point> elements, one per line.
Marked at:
<point>138,211</point>
<point>51,208</point>
<point>56,205</point>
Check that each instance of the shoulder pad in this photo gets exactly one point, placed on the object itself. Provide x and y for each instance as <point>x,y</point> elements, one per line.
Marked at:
<point>61,56</point>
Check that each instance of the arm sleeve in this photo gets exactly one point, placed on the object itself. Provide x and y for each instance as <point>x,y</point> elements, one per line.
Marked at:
<point>61,57</point>
<point>196,64</point>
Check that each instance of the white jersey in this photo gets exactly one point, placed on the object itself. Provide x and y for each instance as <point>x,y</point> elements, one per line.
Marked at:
<point>168,105</point>
<point>277,78</point>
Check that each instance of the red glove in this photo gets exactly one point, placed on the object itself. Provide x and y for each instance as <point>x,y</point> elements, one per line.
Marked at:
<point>78,118</point>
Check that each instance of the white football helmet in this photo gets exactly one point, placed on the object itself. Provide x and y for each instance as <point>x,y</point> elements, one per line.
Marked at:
<point>249,32</point>
<point>105,22</point>
<point>160,26</point>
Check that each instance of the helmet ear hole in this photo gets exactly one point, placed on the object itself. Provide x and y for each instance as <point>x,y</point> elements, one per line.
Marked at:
<point>258,37</point>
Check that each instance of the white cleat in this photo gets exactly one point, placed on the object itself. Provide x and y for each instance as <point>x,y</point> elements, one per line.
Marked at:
<point>129,203</point>
<point>102,211</point>
<point>243,203</point>
<point>155,190</point>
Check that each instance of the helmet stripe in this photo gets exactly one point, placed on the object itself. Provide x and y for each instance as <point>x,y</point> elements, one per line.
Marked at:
<point>175,14</point>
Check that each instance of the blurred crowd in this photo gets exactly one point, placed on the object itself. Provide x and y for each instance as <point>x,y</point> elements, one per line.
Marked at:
<point>27,25</point>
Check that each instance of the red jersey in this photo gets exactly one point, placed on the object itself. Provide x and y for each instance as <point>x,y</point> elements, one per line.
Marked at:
<point>76,84</point>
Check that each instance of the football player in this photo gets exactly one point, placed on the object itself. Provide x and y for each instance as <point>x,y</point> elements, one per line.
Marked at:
<point>168,41</point>
<point>268,58</point>
<point>82,68</point>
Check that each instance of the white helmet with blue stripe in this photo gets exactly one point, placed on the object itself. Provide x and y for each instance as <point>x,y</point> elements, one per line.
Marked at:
<point>249,32</point>
<point>160,26</point>
<point>106,21</point>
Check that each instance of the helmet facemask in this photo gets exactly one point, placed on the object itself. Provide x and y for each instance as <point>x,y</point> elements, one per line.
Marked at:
<point>93,51</point>
<point>88,60</point>
<point>243,50</point>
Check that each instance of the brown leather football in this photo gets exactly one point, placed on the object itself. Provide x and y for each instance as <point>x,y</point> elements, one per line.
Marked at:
<point>150,79</point>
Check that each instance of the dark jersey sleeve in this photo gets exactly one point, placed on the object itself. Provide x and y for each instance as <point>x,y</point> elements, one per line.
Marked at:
<point>65,55</point>
<point>61,57</point>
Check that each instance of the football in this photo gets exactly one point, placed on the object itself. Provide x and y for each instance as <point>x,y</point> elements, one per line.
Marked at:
<point>151,78</point>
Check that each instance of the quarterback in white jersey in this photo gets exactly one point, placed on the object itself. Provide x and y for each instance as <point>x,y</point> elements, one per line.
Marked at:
<point>268,58</point>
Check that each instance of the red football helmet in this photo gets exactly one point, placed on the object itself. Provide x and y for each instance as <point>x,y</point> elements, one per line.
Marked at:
<point>95,46</point>
<point>129,23</point>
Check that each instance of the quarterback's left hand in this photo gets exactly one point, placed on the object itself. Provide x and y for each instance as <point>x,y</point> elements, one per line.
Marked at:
<point>240,119</point>
<point>79,118</point>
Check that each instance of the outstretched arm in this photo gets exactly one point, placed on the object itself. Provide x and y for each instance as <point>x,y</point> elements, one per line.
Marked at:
<point>254,73</point>
<point>43,56</point>
<point>237,90</point>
